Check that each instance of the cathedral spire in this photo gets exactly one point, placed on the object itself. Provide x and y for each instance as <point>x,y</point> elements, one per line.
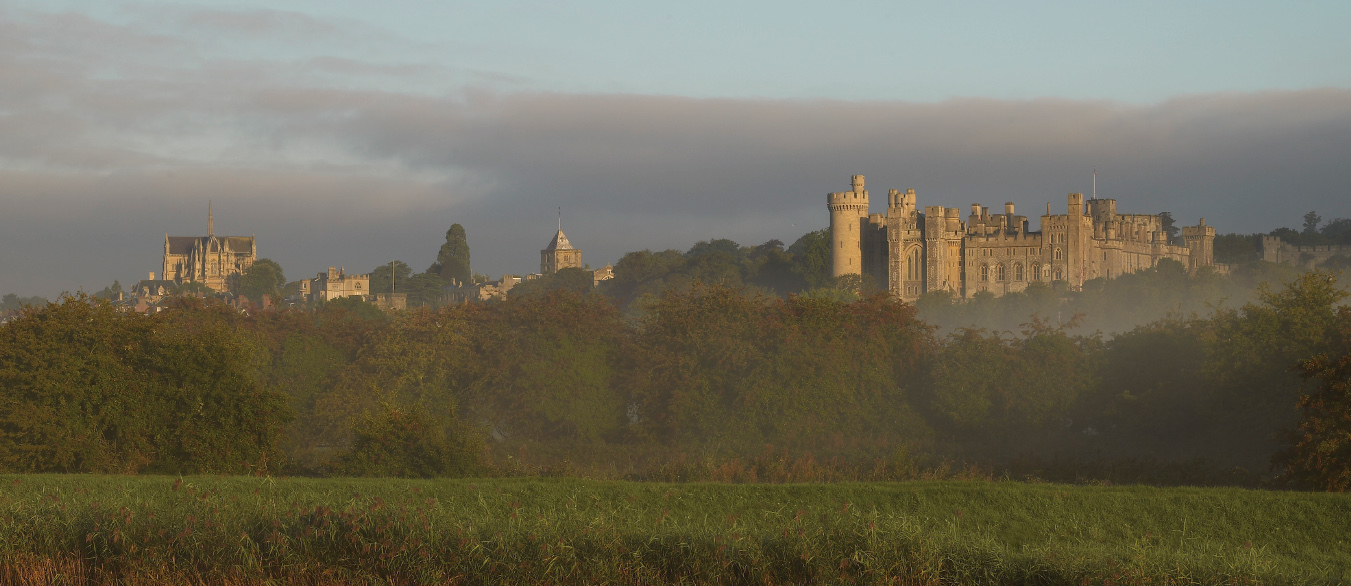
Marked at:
<point>210,220</point>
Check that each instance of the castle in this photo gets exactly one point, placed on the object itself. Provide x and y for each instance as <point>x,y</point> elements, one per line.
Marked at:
<point>211,260</point>
<point>910,253</point>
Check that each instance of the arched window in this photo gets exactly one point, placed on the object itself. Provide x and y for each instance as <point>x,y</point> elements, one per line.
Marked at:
<point>1018,272</point>
<point>999,272</point>
<point>984,272</point>
<point>1036,272</point>
<point>914,270</point>
<point>1058,275</point>
<point>1057,254</point>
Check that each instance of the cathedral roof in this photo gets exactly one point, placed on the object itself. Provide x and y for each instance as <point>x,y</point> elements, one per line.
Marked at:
<point>181,244</point>
<point>560,242</point>
<point>184,244</point>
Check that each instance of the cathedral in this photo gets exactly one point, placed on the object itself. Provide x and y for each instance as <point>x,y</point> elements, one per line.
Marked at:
<point>911,252</point>
<point>211,260</point>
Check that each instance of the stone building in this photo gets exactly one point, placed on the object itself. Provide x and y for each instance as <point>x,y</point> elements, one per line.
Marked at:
<point>391,301</point>
<point>211,260</point>
<point>559,254</point>
<point>911,252</point>
<point>335,284</point>
<point>480,291</point>
<point>153,290</point>
<point>1276,250</point>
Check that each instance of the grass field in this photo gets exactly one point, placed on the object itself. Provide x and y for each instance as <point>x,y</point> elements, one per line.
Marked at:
<point>69,529</point>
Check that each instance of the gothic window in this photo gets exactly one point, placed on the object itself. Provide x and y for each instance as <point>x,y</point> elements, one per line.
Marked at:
<point>1018,272</point>
<point>1058,274</point>
<point>1036,272</point>
<point>914,268</point>
<point>999,272</point>
<point>1057,254</point>
<point>984,272</point>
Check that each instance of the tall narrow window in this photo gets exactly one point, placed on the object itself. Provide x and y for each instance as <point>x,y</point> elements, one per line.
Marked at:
<point>985,272</point>
<point>1018,272</point>
<point>999,272</point>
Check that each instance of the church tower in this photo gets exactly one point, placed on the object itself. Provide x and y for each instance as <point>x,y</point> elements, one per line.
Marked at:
<point>559,254</point>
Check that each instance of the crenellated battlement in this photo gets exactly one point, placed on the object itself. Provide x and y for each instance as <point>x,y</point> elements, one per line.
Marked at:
<point>847,198</point>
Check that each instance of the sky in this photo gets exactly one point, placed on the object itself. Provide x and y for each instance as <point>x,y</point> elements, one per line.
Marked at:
<point>346,133</point>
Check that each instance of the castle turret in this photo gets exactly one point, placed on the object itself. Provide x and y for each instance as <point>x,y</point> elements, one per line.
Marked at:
<point>900,203</point>
<point>1200,241</point>
<point>1077,236</point>
<point>848,212</point>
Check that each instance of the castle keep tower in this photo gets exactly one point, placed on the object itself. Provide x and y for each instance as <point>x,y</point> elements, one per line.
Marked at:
<point>1200,241</point>
<point>848,213</point>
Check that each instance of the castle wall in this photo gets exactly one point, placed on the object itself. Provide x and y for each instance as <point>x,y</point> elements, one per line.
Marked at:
<point>1276,250</point>
<point>1004,263</point>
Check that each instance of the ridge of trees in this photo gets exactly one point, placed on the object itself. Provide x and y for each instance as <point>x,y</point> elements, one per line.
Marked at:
<point>571,379</point>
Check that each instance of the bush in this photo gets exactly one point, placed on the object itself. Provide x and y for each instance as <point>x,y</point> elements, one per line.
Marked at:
<point>85,387</point>
<point>1320,457</point>
<point>409,443</point>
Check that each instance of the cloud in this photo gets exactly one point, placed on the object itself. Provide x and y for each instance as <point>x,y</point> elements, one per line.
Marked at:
<point>102,152</point>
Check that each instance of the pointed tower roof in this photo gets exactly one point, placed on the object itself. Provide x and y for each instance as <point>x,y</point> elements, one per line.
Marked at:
<point>560,242</point>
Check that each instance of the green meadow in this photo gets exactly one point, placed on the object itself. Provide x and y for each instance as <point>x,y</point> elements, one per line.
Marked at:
<point>243,530</point>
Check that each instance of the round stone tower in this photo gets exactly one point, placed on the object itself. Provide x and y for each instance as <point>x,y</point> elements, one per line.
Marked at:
<point>848,211</point>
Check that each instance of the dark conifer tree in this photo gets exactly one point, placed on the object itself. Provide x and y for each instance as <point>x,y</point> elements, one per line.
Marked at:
<point>452,262</point>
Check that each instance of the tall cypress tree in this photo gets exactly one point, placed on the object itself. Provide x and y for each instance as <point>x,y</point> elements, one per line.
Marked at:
<point>452,262</point>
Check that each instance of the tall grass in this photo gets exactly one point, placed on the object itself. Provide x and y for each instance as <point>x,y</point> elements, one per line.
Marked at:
<point>237,530</point>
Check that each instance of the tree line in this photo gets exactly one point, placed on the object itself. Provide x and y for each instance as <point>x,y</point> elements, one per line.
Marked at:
<point>567,380</point>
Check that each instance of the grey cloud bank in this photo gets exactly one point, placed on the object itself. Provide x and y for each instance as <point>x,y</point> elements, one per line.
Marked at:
<point>357,178</point>
<point>101,154</point>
